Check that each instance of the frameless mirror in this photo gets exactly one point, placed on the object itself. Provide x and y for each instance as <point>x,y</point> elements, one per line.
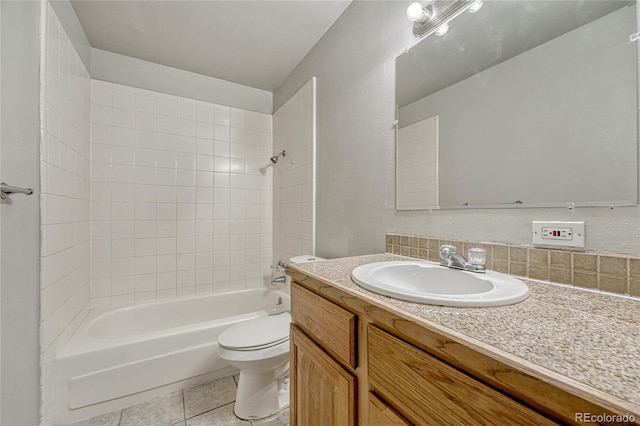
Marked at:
<point>521,104</point>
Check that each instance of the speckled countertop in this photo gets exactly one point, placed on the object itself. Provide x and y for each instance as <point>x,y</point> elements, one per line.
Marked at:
<point>593,338</point>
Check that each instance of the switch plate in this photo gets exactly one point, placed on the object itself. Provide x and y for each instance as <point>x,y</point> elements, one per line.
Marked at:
<point>563,234</point>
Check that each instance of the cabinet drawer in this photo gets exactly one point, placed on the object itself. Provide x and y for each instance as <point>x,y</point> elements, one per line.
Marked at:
<point>329,324</point>
<point>381,414</point>
<point>428,391</point>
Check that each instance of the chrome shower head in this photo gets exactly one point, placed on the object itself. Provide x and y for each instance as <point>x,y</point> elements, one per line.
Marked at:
<point>275,158</point>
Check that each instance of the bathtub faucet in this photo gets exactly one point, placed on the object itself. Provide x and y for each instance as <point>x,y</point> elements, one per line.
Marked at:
<point>279,280</point>
<point>279,267</point>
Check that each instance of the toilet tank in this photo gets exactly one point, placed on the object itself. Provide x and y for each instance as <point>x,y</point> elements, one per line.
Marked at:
<point>304,258</point>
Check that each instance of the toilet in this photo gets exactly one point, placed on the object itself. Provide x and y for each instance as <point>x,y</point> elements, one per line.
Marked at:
<point>259,348</point>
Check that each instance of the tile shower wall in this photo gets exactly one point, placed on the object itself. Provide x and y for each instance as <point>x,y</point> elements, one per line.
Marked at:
<point>294,176</point>
<point>417,165</point>
<point>65,205</point>
<point>179,205</point>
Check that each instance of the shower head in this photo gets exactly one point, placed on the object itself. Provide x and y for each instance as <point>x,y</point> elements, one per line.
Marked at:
<point>274,159</point>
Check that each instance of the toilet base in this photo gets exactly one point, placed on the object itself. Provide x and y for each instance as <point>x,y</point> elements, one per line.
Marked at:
<point>262,393</point>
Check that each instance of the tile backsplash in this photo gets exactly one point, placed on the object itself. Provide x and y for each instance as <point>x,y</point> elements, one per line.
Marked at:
<point>606,272</point>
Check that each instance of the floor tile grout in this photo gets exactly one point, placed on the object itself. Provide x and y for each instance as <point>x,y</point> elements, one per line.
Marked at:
<point>208,411</point>
<point>184,408</point>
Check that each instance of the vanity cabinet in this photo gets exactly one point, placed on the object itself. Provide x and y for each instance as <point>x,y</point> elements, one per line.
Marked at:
<point>323,393</point>
<point>358,362</point>
<point>403,384</point>
<point>323,359</point>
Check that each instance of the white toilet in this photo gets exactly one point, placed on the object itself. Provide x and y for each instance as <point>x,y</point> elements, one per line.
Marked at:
<point>259,348</point>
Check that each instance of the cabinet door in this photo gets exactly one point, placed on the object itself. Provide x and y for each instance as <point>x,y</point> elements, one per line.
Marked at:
<point>322,392</point>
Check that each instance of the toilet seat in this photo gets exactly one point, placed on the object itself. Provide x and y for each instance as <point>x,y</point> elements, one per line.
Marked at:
<point>256,334</point>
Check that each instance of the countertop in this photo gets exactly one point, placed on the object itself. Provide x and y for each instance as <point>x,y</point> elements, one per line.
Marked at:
<point>593,338</point>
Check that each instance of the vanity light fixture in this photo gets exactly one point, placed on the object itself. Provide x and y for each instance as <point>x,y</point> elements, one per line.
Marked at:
<point>418,13</point>
<point>476,6</point>
<point>431,19</point>
<point>442,29</point>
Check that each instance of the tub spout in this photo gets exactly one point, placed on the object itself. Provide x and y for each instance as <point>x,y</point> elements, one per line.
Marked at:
<point>279,280</point>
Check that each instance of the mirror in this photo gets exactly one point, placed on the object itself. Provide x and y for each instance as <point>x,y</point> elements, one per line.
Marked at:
<point>521,104</point>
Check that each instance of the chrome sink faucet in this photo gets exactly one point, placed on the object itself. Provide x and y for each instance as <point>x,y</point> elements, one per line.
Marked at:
<point>450,258</point>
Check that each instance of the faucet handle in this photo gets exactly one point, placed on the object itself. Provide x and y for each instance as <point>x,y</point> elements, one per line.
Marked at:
<point>447,250</point>
<point>279,267</point>
<point>477,256</point>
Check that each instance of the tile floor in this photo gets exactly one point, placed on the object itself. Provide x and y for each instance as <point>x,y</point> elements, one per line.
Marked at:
<point>209,404</point>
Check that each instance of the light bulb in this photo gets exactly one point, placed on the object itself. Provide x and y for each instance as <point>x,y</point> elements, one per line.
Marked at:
<point>476,6</point>
<point>442,30</point>
<point>417,13</point>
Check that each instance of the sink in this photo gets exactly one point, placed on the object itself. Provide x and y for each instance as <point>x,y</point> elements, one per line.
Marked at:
<point>430,283</point>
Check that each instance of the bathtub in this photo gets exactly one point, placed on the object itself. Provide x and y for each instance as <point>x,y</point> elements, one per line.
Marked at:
<point>124,356</point>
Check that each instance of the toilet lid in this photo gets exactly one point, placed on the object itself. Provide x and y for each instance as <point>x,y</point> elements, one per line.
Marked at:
<point>257,333</point>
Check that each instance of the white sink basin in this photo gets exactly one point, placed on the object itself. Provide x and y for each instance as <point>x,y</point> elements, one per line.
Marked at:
<point>430,283</point>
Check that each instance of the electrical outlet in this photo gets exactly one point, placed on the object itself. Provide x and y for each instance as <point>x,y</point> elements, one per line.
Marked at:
<point>563,234</point>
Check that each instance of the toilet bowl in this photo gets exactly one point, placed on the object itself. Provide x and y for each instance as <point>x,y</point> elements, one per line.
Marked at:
<point>259,348</point>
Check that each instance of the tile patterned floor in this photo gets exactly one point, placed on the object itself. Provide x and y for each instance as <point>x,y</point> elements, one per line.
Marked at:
<point>209,404</point>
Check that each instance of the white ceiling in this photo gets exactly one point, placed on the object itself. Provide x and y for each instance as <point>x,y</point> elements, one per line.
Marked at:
<point>254,43</point>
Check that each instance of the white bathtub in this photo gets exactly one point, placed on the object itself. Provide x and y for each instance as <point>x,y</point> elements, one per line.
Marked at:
<point>124,356</point>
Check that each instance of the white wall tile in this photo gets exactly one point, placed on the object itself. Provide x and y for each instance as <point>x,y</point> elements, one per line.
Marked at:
<point>123,97</point>
<point>65,194</point>
<point>186,109</point>
<point>204,112</point>
<point>146,101</point>
<point>293,194</point>
<point>168,105</point>
<point>123,118</point>
<point>165,173</point>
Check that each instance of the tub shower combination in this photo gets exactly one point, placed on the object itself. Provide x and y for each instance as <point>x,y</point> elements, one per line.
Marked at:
<point>124,356</point>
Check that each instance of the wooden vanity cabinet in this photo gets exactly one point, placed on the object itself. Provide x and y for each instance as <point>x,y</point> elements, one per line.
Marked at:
<point>403,384</point>
<point>323,389</point>
<point>354,362</point>
<point>322,392</point>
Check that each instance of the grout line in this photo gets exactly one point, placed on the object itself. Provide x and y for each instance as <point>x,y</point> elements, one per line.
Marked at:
<point>120,419</point>
<point>213,409</point>
<point>184,408</point>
